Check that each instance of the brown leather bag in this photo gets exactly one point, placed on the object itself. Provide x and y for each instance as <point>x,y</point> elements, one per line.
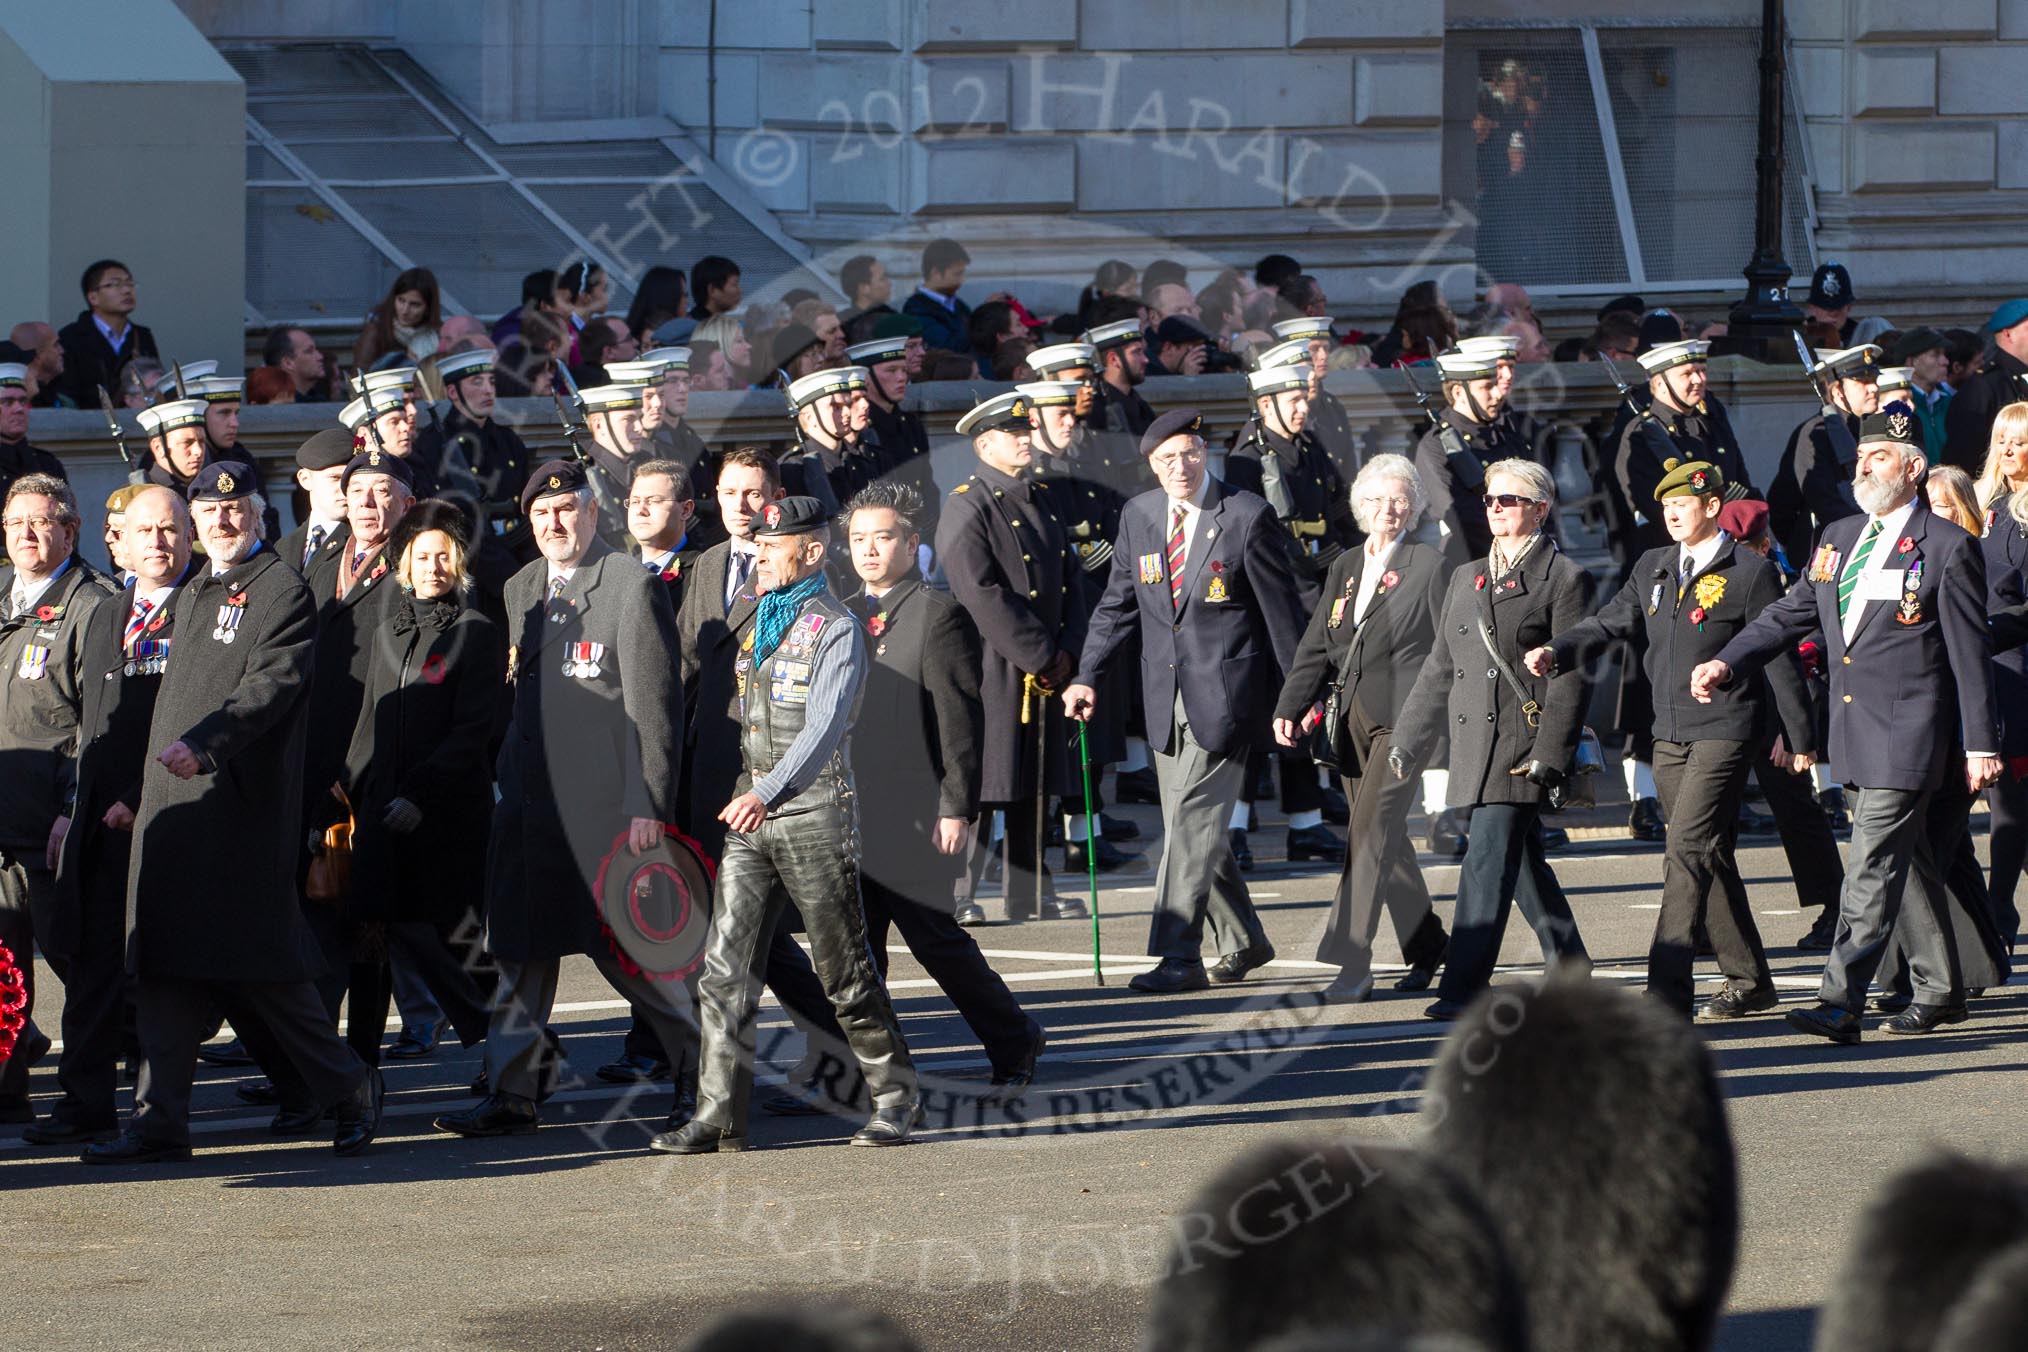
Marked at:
<point>330,875</point>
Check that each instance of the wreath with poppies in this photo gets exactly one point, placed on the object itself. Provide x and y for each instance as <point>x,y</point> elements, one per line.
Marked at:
<point>13,1002</point>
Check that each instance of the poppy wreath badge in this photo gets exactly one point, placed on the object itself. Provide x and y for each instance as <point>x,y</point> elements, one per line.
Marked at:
<point>1710,591</point>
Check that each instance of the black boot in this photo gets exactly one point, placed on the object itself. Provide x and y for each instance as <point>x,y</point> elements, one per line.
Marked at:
<point>1645,821</point>
<point>1242,850</point>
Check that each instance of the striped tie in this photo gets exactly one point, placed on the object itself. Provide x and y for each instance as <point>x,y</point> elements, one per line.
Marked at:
<point>1848,581</point>
<point>1176,557</point>
<point>314,543</point>
<point>136,622</point>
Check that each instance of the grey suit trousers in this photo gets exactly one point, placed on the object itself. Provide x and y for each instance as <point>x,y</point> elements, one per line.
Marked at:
<point>517,1051</point>
<point>1891,875</point>
<point>1198,875</point>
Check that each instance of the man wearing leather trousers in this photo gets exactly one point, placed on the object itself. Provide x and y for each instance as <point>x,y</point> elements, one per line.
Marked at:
<point>794,829</point>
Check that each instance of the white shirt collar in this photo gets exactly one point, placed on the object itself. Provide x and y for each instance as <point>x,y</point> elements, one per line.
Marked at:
<point>1892,527</point>
<point>948,302</point>
<point>741,545</point>
<point>28,593</point>
<point>1701,556</point>
<point>556,572</point>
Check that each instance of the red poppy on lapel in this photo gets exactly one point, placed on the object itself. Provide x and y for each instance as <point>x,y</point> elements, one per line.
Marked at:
<point>433,669</point>
<point>1904,546</point>
<point>1216,565</point>
<point>48,613</point>
<point>876,625</point>
<point>1480,585</point>
<point>1389,580</point>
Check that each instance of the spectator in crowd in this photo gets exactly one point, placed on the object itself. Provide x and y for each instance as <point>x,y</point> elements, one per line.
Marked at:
<point>527,362</point>
<point>714,288</point>
<point>1113,279</point>
<point>1170,298</point>
<point>658,298</point>
<point>103,337</point>
<point>797,353</point>
<point>820,319</point>
<point>1617,337</point>
<point>869,289</point>
<point>138,380</point>
<point>269,385</point>
<point>1660,326</point>
<point>1301,295</point>
<point>582,293</point>
<point>1926,353</point>
<point>402,328</point>
<point>992,324</point>
<point>944,317</point>
<point>729,336</point>
<point>2001,379</point>
<point>1512,300</point>
<point>1179,345</point>
<point>1827,310</point>
<point>461,333</point>
<point>2005,471</point>
<point>294,353</point>
<point>605,339</point>
<point>708,368</point>
<point>1524,331</point>
<point>1010,361</point>
<point>1415,306</point>
<point>1221,307</point>
<point>538,291</point>
<point>1964,348</point>
<point>1419,329</point>
<point>1273,271</point>
<point>43,352</point>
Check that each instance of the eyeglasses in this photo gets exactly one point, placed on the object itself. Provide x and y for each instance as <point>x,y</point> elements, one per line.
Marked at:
<point>1509,501</point>
<point>1194,457</point>
<point>34,523</point>
<point>1399,504</point>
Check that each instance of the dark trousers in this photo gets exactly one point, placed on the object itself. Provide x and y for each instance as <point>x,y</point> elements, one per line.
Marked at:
<point>792,979</point>
<point>1699,783</point>
<point>25,886</point>
<point>951,957</point>
<point>1296,775</point>
<point>459,975</point>
<point>1815,865</point>
<point>808,857</point>
<point>1972,950</point>
<point>1025,877</point>
<point>97,997</point>
<point>2009,802</point>
<point>1892,863</point>
<point>286,1019</point>
<point>1503,865</point>
<point>1380,871</point>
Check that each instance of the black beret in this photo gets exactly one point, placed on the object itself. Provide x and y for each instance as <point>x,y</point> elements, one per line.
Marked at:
<point>552,477</point>
<point>790,516</point>
<point>224,481</point>
<point>1173,423</point>
<point>325,450</point>
<point>377,461</point>
<point>1894,422</point>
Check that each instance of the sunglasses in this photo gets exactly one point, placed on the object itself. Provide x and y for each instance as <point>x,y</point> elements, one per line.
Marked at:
<point>1509,501</point>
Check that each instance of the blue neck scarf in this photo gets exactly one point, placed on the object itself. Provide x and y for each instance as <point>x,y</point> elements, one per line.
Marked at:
<point>778,610</point>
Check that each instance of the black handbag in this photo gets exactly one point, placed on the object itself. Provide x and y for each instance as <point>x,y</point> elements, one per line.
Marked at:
<point>1331,740</point>
<point>1587,758</point>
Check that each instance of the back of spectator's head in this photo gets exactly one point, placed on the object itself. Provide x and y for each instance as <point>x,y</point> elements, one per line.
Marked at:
<point>269,385</point>
<point>797,296</point>
<point>709,273</point>
<point>1660,326</point>
<point>988,324</point>
<point>1993,1311</point>
<point>538,288</point>
<point>1010,360</point>
<point>1163,272</point>
<point>942,254</point>
<point>1300,294</point>
<point>1274,270</point>
<point>816,1327</point>
<point>1963,346</point>
<point>1421,295</point>
<point>1334,1236</point>
<point>659,297</point>
<point>1590,1120</point>
<point>1916,1250</point>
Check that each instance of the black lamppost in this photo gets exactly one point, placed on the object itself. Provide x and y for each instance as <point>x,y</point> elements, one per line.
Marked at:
<point>1767,312</point>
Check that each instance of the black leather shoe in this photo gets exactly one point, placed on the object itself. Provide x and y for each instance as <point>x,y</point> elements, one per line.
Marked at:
<point>632,1069</point>
<point>132,1149</point>
<point>685,1106</point>
<point>54,1132</point>
<point>1009,1081</point>
<point>1924,1019</point>
<point>1242,850</point>
<point>1337,811</point>
<point>260,1093</point>
<point>1444,1011</point>
<point>1447,837</point>
<point>1171,976</point>
<point>225,1054</point>
<point>482,1085</point>
<point>889,1126</point>
<point>697,1138</point>
<point>1315,842</point>
<point>360,1116</point>
<point>969,914</point>
<point>1118,828</point>
<point>1823,931</point>
<point>1752,823</point>
<point>300,1120</point>
<point>1234,966</point>
<point>1891,1003</point>
<point>1832,800</point>
<point>499,1115</point>
<point>1645,821</point>
<point>1420,976</point>
<point>1736,1004</point>
<point>1839,1025</point>
<point>1136,786</point>
<point>411,1047</point>
<point>1064,908</point>
<point>1107,857</point>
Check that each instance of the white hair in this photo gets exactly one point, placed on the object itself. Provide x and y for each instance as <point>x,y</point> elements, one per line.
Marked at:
<point>1541,486</point>
<point>1379,469</point>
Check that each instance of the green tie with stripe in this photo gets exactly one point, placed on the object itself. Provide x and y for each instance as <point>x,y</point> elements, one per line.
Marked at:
<point>1848,581</point>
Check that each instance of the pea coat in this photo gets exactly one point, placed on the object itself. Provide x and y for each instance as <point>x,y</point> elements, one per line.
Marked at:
<point>42,674</point>
<point>1380,656</point>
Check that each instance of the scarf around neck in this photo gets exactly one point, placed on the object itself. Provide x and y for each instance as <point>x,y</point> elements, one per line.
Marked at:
<point>777,611</point>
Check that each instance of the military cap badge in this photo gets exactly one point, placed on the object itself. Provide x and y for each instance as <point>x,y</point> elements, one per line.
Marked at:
<point>555,482</point>
<point>1897,424</point>
<point>225,483</point>
<point>773,515</point>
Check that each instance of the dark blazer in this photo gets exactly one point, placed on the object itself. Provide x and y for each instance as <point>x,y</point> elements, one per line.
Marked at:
<point>1381,656</point>
<point>707,644</point>
<point>1237,630</point>
<point>917,737</point>
<point>1461,692</point>
<point>89,361</point>
<point>433,674</point>
<point>586,751</point>
<point>1909,694</point>
<point>1677,634</point>
<point>1024,590</point>
<point>119,701</point>
<point>212,889</point>
<point>1968,422</point>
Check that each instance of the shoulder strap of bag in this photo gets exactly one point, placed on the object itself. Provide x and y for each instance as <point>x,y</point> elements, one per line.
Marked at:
<point>1530,709</point>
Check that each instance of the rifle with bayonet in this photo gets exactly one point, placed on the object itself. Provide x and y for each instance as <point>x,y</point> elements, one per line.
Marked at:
<point>576,420</point>
<point>137,473</point>
<point>1843,444</point>
<point>358,384</point>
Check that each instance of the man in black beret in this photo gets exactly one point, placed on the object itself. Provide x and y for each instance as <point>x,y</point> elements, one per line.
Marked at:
<point>1202,577</point>
<point>791,823</point>
<point>320,473</point>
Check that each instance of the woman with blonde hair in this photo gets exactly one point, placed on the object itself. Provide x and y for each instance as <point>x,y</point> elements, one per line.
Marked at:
<point>2006,469</point>
<point>1953,497</point>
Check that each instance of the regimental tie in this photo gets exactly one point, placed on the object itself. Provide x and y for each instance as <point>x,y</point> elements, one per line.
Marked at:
<point>1176,540</point>
<point>136,622</point>
<point>556,586</point>
<point>1848,581</point>
<point>313,544</point>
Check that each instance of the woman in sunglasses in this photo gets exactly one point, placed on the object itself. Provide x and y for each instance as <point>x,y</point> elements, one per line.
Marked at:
<point>1511,735</point>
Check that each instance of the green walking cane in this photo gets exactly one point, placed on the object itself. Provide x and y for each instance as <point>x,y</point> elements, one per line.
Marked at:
<point>1091,836</point>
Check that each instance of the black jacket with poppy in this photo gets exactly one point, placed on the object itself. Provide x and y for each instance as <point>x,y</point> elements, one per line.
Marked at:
<point>1678,633</point>
<point>1379,655</point>
<point>434,673</point>
<point>42,680</point>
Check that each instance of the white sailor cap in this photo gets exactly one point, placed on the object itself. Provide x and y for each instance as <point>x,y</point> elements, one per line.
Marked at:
<point>217,389</point>
<point>612,398</point>
<point>1275,379</point>
<point>1458,364</point>
<point>394,378</point>
<point>878,350</point>
<point>475,361</point>
<point>1290,352</point>
<point>667,359</point>
<point>1051,393</point>
<point>1894,378</point>
<point>185,375</point>
<point>1119,333</point>
<point>1003,412</point>
<point>172,415</point>
<point>13,375</point>
<point>353,416</point>
<point>1047,361</point>
<point>1662,356</point>
<point>808,389</point>
<point>1849,363</point>
<point>1496,345</point>
<point>633,373</point>
<point>1305,327</point>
